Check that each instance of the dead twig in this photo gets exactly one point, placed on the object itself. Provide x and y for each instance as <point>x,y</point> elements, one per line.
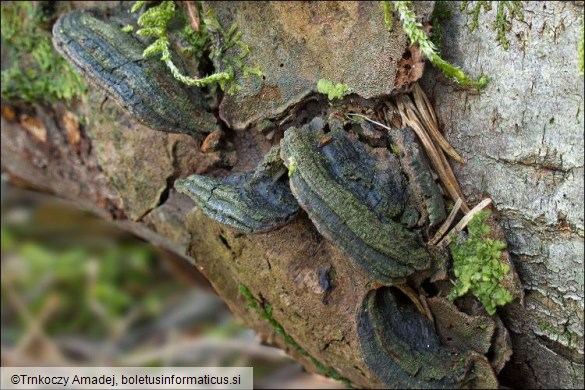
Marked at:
<point>438,161</point>
<point>414,297</point>
<point>429,119</point>
<point>445,226</point>
<point>370,120</point>
<point>192,14</point>
<point>464,221</point>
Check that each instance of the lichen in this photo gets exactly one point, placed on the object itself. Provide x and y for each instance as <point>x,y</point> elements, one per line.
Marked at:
<point>418,37</point>
<point>505,13</point>
<point>333,91</point>
<point>37,73</point>
<point>155,22</point>
<point>265,311</point>
<point>477,266</point>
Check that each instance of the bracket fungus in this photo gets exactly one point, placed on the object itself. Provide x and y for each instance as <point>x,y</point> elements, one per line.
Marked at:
<point>253,202</point>
<point>401,347</point>
<point>370,192</point>
<point>355,196</point>
<point>428,199</point>
<point>111,60</point>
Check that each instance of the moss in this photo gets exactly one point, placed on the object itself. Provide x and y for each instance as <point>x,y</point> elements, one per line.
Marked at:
<point>441,12</point>
<point>417,36</point>
<point>292,168</point>
<point>128,28</point>
<point>265,311</point>
<point>155,22</point>
<point>37,73</point>
<point>395,149</point>
<point>478,267</point>
<point>387,14</point>
<point>505,13</point>
<point>198,41</point>
<point>230,63</point>
<point>333,91</point>
<point>545,326</point>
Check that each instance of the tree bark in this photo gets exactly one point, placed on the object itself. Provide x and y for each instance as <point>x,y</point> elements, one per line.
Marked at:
<point>522,139</point>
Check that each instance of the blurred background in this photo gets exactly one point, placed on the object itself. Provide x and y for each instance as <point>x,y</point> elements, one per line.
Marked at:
<point>77,291</point>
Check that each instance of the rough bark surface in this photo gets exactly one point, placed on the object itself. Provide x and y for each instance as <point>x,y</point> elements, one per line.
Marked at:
<point>522,138</point>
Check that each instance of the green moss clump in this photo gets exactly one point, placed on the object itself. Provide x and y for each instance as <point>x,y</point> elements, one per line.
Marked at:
<point>477,266</point>
<point>387,14</point>
<point>292,168</point>
<point>155,22</point>
<point>265,311</point>
<point>441,12</point>
<point>37,73</point>
<point>417,36</point>
<point>333,91</point>
<point>505,13</point>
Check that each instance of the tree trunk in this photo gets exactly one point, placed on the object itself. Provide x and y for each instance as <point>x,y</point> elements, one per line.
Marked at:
<point>523,143</point>
<point>523,140</point>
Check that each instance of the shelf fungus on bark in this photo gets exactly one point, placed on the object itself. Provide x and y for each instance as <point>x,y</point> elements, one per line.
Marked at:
<point>401,347</point>
<point>111,60</point>
<point>428,201</point>
<point>356,197</point>
<point>254,202</point>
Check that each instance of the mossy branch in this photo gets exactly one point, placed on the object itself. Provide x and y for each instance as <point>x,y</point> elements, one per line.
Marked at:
<point>418,37</point>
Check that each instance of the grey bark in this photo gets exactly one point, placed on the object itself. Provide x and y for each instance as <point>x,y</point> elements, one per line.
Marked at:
<point>523,140</point>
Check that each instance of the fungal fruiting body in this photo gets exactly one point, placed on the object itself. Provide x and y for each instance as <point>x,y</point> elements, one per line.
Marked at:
<point>111,60</point>
<point>253,202</point>
<point>355,196</point>
<point>402,348</point>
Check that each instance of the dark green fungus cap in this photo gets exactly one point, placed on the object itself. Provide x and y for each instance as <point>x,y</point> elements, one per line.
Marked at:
<point>254,202</point>
<point>354,196</point>
<point>111,60</point>
<point>401,346</point>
